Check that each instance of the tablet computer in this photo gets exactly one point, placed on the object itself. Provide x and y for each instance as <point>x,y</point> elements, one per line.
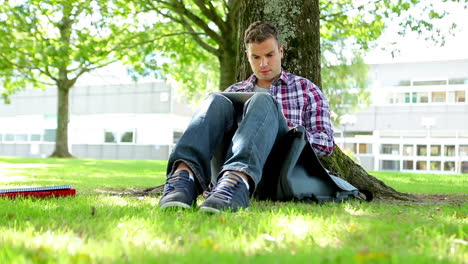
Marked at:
<point>238,97</point>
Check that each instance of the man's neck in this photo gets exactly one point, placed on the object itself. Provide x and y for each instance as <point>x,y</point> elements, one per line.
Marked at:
<point>264,84</point>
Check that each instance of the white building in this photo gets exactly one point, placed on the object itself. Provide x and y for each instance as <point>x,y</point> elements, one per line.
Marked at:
<point>132,121</point>
<point>418,120</point>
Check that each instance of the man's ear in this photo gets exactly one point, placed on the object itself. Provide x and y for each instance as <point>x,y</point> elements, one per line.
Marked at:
<point>281,50</point>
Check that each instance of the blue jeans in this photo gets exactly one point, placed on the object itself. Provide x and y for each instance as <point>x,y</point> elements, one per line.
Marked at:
<point>261,127</point>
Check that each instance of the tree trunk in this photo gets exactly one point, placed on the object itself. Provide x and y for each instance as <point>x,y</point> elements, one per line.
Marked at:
<point>298,23</point>
<point>227,65</point>
<point>61,137</point>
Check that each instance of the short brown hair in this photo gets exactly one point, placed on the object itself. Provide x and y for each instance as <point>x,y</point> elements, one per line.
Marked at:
<point>259,31</point>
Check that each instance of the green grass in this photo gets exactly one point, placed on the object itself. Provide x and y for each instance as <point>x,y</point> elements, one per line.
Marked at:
<point>99,228</point>
<point>424,183</point>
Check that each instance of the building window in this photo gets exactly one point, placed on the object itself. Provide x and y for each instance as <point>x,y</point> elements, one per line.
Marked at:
<point>1,137</point>
<point>408,150</point>
<point>435,165</point>
<point>408,164</point>
<point>10,137</point>
<point>407,98</point>
<point>127,137</point>
<point>21,137</point>
<point>49,135</point>
<point>365,148</point>
<point>111,136</point>
<point>456,96</point>
<point>460,96</point>
<point>449,151</point>
<point>463,150</point>
<point>421,165</point>
<point>390,149</point>
<point>400,98</point>
<point>458,81</point>
<point>176,136</point>
<point>438,97</point>
<point>449,166</point>
<point>435,150</point>
<point>422,97</point>
<point>434,82</point>
<point>35,137</point>
<point>393,165</point>
<point>421,150</point>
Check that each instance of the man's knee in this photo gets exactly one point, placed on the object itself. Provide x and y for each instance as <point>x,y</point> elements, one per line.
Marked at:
<point>263,99</point>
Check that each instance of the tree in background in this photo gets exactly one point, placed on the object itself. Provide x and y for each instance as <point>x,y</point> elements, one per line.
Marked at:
<point>348,29</point>
<point>54,42</point>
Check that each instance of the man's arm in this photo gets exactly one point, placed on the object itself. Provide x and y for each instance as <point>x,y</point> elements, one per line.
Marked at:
<point>317,121</point>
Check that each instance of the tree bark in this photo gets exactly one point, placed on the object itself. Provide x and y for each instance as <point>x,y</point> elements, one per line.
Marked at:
<point>61,136</point>
<point>298,23</point>
<point>227,65</point>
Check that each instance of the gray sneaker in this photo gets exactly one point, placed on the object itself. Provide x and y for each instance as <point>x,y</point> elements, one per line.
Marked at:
<point>179,191</point>
<point>230,193</point>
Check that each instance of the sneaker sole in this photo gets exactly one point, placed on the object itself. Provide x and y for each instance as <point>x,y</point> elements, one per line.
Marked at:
<point>174,205</point>
<point>210,210</point>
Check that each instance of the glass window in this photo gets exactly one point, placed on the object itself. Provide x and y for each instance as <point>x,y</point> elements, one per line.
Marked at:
<point>422,97</point>
<point>110,137</point>
<point>460,96</point>
<point>365,148</point>
<point>421,150</point>
<point>408,150</point>
<point>390,165</point>
<point>1,137</point>
<point>449,151</point>
<point>435,150</point>
<point>35,137</point>
<point>438,97</point>
<point>458,81</point>
<point>127,137</point>
<point>350,146</point>
<point>49,135</point>
<point>176,136</point>
<point>9,137</point>
<point>421,165</point>
<point>404,83</point>
<point>391,149</point>
<point>408,164</point>
<point>21,137</point>
<point>435,165</point>
<point>449,166</point>
<point>434,82</point>
<point>407,97</point>
<point>399,98</point>
<point>389,98</point>
<point>463,151</point>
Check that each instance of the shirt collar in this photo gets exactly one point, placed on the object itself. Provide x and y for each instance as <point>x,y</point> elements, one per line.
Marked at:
<point>249,84</point>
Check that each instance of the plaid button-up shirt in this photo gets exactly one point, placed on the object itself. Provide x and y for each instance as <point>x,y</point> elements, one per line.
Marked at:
<point>303,103</point>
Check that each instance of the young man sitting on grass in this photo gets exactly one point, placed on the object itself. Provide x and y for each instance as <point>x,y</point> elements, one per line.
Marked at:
<point>283,101</point>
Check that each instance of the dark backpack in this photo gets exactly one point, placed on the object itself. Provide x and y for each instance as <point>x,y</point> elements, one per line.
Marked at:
<point>294,172</point>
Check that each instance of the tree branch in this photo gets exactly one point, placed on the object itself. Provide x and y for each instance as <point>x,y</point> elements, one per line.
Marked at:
<point>211,13</point>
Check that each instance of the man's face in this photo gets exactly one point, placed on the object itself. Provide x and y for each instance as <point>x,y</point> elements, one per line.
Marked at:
<point>265,60</point>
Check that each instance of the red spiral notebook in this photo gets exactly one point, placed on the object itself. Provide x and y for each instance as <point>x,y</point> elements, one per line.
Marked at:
<point>40,192</point>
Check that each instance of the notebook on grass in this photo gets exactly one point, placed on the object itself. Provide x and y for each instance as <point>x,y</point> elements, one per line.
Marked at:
<point>39,192</point>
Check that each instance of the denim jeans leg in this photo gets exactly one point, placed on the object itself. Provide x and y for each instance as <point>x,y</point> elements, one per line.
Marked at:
<point>262,125</point>
<point>211,121</point>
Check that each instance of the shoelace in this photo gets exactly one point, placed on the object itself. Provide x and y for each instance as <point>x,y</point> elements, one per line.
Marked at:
<point>176,181</point>
<point>226,186</point>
